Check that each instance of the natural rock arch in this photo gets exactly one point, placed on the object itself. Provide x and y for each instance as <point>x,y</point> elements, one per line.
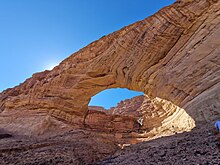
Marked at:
<point>173,55</point>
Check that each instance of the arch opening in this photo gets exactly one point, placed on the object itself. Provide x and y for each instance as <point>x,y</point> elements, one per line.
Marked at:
<point>146,118</point>
<point>109,98</point>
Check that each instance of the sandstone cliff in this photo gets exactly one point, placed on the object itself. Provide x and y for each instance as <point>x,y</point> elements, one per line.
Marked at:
<point>153,118</point>
<point>172,56</point>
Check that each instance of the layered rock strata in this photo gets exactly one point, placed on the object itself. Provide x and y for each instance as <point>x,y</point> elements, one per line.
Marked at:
<point>172,55</point>
<point>152,118</point>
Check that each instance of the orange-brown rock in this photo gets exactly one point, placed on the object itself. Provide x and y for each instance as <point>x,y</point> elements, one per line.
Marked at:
<point>172,56</point>
<point>129,107</point>
<point>155,117</point>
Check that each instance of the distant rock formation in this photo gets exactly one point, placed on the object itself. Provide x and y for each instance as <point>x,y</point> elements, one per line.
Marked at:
<point>128,107</point>
<point>153,118</point>
<point>172,56</point>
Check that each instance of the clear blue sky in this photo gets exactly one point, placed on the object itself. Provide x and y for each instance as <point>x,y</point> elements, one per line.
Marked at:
<point>38,34</point>
<point>110,97</point>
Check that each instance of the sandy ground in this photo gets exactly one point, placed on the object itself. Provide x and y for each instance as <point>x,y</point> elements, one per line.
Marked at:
<point>201,146</point>
<point>73,147</point>
<point>198,147</point>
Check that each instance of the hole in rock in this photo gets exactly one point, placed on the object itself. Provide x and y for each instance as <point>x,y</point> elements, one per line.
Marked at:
<point>110,97</point>
<point>147,118</point>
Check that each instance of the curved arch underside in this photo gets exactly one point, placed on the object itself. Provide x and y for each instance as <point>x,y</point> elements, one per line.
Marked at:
<point>172,55</point>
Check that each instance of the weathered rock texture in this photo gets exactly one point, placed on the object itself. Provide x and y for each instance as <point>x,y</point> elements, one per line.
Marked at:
<point>129,107</point>
<point>172,56</point>
<point>87,147</point>
<point>199,146</point>
<point>152,118</point>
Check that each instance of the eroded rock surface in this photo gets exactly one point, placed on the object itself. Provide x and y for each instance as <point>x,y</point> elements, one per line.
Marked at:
<point>143,118</point>
<point>199,146</point>
<point>172,56</point>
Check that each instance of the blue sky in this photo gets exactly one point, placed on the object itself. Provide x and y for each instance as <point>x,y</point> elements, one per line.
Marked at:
<point>110,97</point>
<point>38,34</point>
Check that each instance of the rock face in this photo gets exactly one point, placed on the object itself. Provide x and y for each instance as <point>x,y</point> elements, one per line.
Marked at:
<point>172,56</point>
<point>152,118</point>
<point>128,107</point>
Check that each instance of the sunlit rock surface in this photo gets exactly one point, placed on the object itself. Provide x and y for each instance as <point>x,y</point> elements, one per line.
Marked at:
<point>152,118</point>
<point>172,56</point>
